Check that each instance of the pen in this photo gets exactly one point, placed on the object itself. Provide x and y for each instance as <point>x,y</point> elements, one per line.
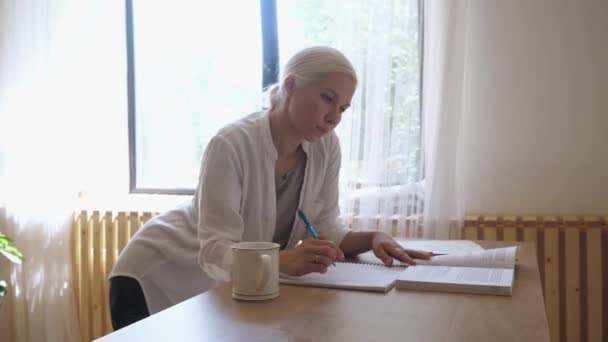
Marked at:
<point>437,254</point>
<point>309,226</point>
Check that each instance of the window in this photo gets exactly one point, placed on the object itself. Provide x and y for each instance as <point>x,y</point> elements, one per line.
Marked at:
<point>194,69</point>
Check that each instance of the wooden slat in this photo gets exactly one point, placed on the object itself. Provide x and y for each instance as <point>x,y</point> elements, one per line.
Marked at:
<point>530,228</point>
<point>133,223</point>
<point>595,317</point>
<point>471,220</point>
<point>77,261</point>
<point>145,216</point>
<point>113,241</point>
<point>140,220</point>
<point>530,233</point>
<point>470,233</point>
<point>88,280</point>
<point>107,267</point>
<point>509,232</point>
<point>490,232</point>
<point>114,248</point>
<point>126,228</point>
<point>490,220</point>
<point>97,290</point>
<point>551,263</point>
<point>573,278</point>
<point>121,227</point>
<point>509,220</point>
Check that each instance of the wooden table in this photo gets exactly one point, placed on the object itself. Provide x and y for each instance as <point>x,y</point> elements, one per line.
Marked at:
<point>316,314</point>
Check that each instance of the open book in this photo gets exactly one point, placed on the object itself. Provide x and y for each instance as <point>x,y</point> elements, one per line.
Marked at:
<point>490,271</point>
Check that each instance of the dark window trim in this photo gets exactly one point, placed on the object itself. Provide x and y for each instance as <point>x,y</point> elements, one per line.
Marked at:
<point>270,42</point>
<point>130,93</point>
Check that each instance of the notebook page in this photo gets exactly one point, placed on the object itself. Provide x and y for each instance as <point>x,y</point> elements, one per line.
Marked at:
<point>349,276</point>
<point>491,258</point>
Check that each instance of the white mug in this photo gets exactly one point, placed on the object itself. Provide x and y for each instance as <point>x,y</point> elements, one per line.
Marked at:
<point>255,270</point>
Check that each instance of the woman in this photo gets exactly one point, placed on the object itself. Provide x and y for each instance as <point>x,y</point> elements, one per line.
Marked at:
<point>255,173</point>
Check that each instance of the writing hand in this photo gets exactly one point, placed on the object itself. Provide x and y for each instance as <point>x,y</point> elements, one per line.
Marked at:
<point>310,256</point>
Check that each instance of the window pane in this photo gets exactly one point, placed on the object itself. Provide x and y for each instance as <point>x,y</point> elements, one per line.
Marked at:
<point>197,68</point>
<point>381,133</point>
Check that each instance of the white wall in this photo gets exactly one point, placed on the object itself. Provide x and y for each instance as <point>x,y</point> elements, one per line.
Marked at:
<point>535,125</point>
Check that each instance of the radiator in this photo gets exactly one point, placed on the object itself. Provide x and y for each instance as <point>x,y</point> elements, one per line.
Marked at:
<point>98,238</point>
<point>572,255</point>
<point>573,263</point>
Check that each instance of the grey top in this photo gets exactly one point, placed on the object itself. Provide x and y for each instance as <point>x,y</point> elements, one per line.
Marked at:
<point>288,189</point>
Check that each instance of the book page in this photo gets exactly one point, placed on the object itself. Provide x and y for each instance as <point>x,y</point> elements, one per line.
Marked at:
<point>490,258</point>
<point>349,276</point>
<point>457,279</point>
<point>442,246</point>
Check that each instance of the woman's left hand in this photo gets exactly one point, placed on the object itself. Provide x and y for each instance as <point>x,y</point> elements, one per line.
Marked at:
<point>386,248</point>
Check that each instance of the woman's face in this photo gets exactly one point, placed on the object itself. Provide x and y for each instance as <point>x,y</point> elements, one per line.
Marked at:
<point>316,108</point>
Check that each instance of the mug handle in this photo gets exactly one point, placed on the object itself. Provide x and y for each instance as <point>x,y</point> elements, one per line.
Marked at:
<point>263,275</point>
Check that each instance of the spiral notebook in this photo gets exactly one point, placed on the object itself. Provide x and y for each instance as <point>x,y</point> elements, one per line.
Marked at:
<point>352,276</point>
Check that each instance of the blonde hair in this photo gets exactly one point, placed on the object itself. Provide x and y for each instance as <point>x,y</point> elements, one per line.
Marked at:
<point>307,65</point>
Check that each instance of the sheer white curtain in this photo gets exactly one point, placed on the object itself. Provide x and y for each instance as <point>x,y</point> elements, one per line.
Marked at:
<point>381,135</point>
<point>57,97</point>
<point>443,92</point>
<point>400,167</point>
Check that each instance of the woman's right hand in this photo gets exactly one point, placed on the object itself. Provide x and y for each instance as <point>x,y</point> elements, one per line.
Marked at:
<point>309,256</point>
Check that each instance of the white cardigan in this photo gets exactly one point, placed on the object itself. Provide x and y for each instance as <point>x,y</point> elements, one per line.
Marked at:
<point>186,251</point>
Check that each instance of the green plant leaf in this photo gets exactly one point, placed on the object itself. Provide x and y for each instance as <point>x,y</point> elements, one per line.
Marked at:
<point>14,258</point>
<point>10,251</point>
<point>14,251</point>
<point>6,238</point>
